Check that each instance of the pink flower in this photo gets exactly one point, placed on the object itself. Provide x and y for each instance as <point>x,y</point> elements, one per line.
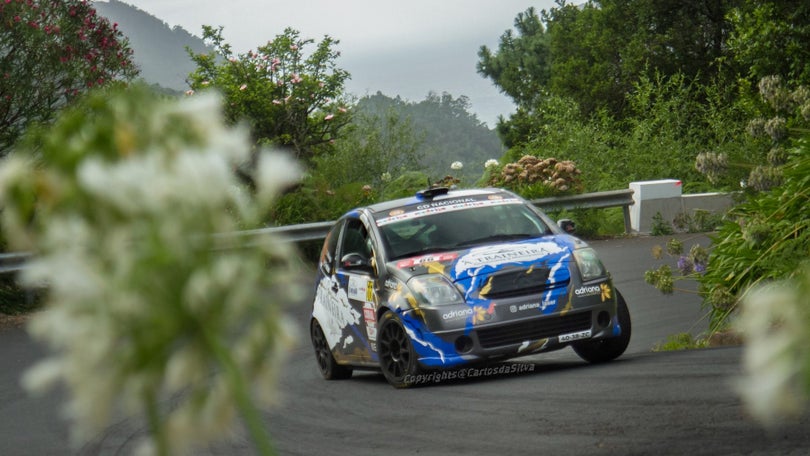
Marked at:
<point>295,78</point>
<point>277,102</point>
<point>189,92</point>
<point>243,87</point>
<point>342,109</point>
<point>329,117</point>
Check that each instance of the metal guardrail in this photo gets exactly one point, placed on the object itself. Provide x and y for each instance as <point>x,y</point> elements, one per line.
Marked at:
<point>597,200</point>
<point>14,262</point>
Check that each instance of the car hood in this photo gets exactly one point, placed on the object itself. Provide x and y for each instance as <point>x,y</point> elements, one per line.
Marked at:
<point>500,269</point>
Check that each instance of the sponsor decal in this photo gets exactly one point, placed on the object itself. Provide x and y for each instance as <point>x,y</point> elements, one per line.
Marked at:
<point>360,288</point>
<point>531,306</point>
<point>370,317</point>
<point>432,258</point>
<point>603,290</point>
<point>368,313</point>
<point>333,311</point>
<point>496,255</point>
<point>348,341</point>
<point>483,314</point>
<point>589,290</point>
<point>435,207</point>
<point>529,346</point>
<point>458,313</point>
<point>606,294</point>
<point>575,336</point>
<point>445,203</point>
<point>391,284</point>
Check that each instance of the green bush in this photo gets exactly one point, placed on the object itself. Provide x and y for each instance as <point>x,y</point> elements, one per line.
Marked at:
<point>765,238</point>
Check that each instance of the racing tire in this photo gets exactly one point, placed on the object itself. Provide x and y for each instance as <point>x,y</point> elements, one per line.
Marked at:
<point>398,359</point>
<point>330,369</point>
<point>604,350</point>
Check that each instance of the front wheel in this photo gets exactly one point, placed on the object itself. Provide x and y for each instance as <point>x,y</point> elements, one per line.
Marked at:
<point>395,350</point>
<point>604,350</point>
<point>329,368</point>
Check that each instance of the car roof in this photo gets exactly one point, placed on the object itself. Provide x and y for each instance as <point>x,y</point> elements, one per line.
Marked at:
<point>440,195</point>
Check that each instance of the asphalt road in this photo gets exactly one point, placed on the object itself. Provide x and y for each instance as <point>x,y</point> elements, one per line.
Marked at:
<point>644,403</point>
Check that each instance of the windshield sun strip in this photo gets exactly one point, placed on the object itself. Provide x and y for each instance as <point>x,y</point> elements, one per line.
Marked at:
<point>437,208</point>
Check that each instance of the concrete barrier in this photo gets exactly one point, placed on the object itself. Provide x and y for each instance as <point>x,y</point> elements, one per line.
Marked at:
<point>665,197</point>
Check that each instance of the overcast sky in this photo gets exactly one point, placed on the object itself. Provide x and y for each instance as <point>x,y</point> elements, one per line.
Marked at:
<point>404,48</point>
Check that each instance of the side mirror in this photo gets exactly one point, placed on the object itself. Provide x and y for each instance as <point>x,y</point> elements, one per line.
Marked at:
<point>567,225</point>
<point>354,261</point>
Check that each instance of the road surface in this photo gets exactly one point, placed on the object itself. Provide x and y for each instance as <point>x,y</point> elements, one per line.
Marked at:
<point>644,403</point>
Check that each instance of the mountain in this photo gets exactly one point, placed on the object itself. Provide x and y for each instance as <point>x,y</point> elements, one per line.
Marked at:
<point>158,50</point>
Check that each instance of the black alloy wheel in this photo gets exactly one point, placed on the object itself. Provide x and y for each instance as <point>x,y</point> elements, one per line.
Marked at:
<point>398,359</point>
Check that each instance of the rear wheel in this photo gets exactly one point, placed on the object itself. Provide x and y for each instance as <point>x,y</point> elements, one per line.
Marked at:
<point>329,368</point>
<point>395,350</point>
<point>603,350</point>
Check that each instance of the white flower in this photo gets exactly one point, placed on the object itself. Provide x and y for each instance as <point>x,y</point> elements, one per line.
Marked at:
<point>147,299</point>
<point>276,172</point>
<point>385,177</point>
<point>490,163</point>
<point>774,325</point>
<point>457,165</point>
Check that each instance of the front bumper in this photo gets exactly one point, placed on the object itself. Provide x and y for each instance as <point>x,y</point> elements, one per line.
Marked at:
<point>512,338</point>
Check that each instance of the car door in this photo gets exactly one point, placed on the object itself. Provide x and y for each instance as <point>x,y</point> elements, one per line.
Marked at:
<point>355,276</point>
<point>345,299</point>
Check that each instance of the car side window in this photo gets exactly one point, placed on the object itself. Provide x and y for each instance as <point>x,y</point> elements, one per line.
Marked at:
<point>327,259</point>
<point>356,239</point>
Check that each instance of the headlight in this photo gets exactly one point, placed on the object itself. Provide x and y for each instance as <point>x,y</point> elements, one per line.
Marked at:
<point>435,290</point>
<point>590,267</point>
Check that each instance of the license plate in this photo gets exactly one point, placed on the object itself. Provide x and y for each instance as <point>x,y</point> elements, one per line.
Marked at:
<point>575,336</point>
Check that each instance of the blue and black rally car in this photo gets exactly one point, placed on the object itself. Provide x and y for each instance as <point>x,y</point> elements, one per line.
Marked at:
<point>449,278</point>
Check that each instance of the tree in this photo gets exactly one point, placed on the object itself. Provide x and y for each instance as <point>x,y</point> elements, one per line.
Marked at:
<point>770,38</point>
<point>385,144</point>
<point>50,53</point>
<point>595,52</point>
<point>521,67</point>
<point>449,132</point>
<point>288,99</point>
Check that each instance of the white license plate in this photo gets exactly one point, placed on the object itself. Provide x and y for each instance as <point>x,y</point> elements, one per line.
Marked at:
<point>575,336</point>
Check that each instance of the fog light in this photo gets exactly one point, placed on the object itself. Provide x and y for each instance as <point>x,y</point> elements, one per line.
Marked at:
<point>464,344</point>
<point>603,319</point>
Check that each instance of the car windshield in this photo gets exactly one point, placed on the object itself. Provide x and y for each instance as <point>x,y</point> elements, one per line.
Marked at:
<point>448,229</point>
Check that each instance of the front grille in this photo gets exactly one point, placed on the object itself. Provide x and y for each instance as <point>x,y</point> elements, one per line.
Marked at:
<point>535,329</point>
<point>521,282</point>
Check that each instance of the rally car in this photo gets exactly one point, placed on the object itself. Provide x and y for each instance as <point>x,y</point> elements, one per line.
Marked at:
<point>451,278</point>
